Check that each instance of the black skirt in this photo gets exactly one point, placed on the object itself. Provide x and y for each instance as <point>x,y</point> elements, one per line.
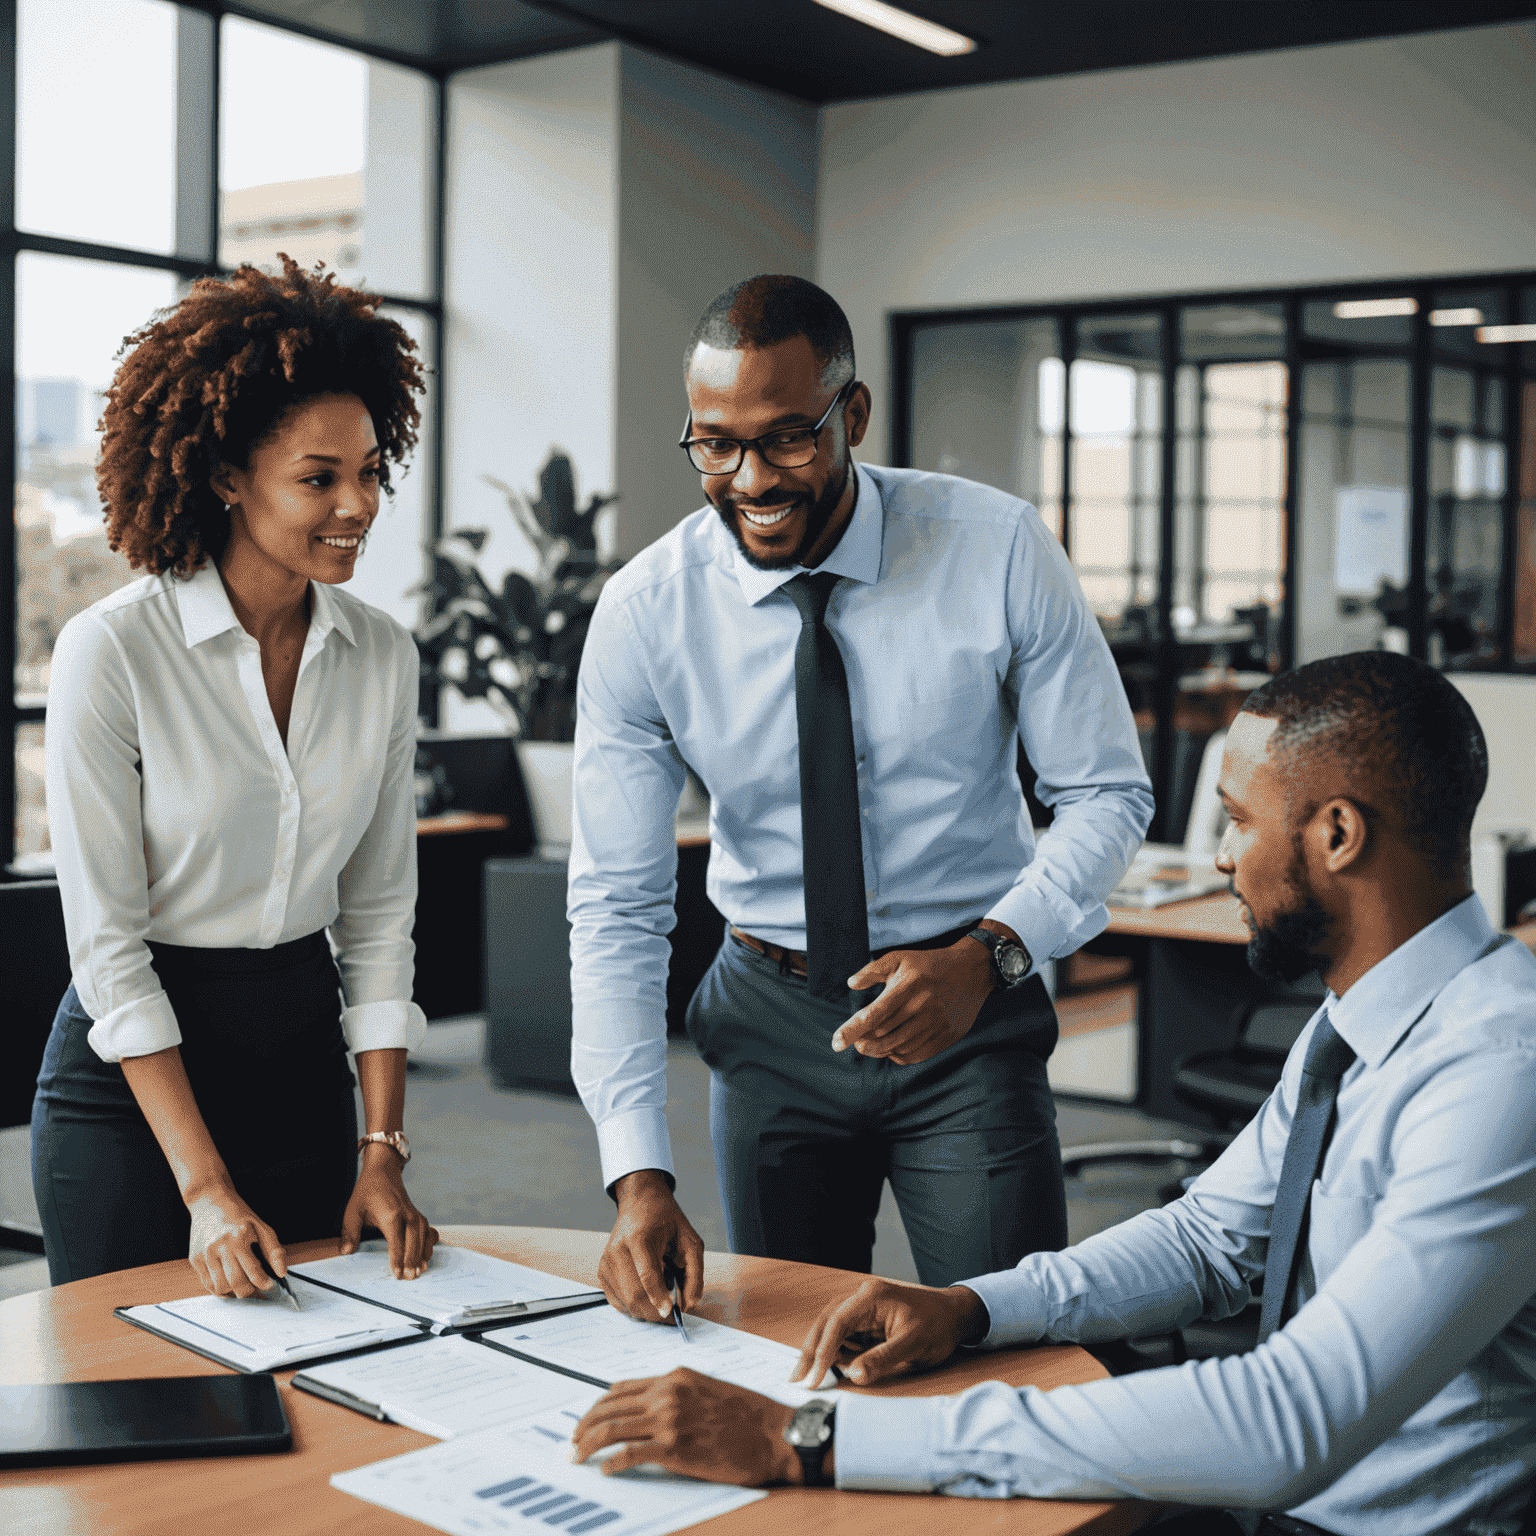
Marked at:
<point>263,1048</point>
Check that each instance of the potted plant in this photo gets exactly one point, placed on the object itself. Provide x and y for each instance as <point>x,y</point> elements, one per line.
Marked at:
<point>519,647</point>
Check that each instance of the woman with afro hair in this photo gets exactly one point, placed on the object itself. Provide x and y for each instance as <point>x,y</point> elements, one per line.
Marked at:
<point>230,759</point>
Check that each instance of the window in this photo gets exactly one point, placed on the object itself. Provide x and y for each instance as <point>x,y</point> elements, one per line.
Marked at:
<point>1248,481</point>
<point>325,152</point>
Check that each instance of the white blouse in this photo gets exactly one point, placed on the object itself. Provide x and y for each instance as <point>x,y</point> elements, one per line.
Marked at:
<point>177,815</point>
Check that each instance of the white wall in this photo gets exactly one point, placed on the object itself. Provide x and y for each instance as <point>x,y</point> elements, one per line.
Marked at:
<point>530,291</point>
<point>1348,162</point>
<point>597,200</point>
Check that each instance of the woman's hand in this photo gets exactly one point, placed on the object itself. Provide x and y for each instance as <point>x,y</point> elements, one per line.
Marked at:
<point>379,1200</point>
<point>224,1230</point>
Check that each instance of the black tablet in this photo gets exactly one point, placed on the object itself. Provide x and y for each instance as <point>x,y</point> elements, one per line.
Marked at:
<point>82,1421</point>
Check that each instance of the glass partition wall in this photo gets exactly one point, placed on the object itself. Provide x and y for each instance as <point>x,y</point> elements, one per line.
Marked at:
<point>1249,481</point>
<point>155,143</point>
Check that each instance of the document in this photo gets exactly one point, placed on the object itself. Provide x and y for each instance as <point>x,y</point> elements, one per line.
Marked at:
<point>262,1333</point>
<point>445,1386</point>
<point>603,1344</point>
<point>461,1288</point>
<point>515,1477</point>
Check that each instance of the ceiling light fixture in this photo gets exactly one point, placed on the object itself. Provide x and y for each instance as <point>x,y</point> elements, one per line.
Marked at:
<point>1455,317</point>
<point>1506,333</point>
<point>903,24</point>
<point>1374,309</point>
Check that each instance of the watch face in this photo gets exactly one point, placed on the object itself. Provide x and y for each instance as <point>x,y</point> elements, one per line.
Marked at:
<point>1012,962</point>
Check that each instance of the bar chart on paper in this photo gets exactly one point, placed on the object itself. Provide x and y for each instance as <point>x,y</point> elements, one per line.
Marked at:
<point>576,1514</point>
<point>515,1477</point>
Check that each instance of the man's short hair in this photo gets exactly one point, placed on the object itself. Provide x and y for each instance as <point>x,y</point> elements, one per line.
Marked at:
<point>770,308</point>
<point>1399,730</point>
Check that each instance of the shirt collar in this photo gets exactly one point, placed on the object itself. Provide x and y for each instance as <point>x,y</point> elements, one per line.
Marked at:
<point>329,613</point>
<point>1376,1012</point>
<point>857,555</point>
<point>203,605</point>
<point>205,608</point>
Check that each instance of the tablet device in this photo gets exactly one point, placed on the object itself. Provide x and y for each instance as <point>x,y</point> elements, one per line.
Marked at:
<point>87,1421</point>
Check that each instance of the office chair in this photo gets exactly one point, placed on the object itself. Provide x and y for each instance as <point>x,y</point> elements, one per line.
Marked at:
<point>32,919</point>
<point>1228,1086</point>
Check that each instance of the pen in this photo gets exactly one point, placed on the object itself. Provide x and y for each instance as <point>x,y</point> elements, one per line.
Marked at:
<point>293,1301</point>
<point>672,1278</point>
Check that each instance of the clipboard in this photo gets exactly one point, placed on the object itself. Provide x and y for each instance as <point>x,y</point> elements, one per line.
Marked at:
<point>123,1314</point>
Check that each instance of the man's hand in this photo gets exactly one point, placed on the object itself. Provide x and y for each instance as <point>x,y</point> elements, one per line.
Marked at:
<point>886,1328</point>
<point>931,999</point>
<point>379,1200</point>
<point>651,1229</point>
<point>694,1425</point>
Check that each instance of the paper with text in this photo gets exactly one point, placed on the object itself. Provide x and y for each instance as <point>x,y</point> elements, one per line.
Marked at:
<point>515,1477</point>
<point>262,1333</point>
<point>460,1286</point>
<point>604,1343</point>
<point>450,1386</point>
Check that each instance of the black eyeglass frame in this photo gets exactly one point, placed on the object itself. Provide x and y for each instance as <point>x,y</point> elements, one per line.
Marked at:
<point>685,442</point>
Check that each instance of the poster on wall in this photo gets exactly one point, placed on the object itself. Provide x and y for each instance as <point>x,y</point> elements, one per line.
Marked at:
<point>1372,538</point>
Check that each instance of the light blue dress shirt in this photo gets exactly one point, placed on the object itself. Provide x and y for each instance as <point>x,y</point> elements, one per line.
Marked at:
<point>960,624</point>
<point>1401,1398</point>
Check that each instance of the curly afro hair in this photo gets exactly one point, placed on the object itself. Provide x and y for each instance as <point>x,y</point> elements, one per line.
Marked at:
<point>207,380</point>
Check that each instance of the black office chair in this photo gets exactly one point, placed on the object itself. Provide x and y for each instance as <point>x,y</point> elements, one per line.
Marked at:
<point>32,920</point>
<point>1227,1086</point>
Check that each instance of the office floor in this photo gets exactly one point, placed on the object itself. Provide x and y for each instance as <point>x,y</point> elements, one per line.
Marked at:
<point>530,1158</point>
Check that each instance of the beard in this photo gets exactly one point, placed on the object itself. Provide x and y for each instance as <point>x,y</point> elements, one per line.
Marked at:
<point>1288,945</point>
<point>818,516</point>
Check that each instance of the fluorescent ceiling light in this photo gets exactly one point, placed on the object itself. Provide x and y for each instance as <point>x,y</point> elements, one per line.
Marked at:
<point>1506,333</point>
<point>1455,317</point>
<point>903,24</point>
<point>1374,309</point>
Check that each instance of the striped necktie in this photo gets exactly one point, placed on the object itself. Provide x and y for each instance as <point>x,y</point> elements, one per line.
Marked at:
<point>1328,1058</point>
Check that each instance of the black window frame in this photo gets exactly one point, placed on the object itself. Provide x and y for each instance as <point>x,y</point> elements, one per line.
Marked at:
<point>14,241</point>
<point>1420,354</point>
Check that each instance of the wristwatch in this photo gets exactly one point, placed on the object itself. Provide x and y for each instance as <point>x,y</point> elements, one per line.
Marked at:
<point>1011,963</point>
<point>395,1139</point>
<point>810,1432</point>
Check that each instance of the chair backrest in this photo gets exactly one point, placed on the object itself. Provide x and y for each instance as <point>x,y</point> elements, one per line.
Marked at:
<point>1271,1029</point>
<point>36,977</point>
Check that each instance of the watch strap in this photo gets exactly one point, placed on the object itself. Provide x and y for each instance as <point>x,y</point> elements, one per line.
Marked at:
<point>816,1416</point>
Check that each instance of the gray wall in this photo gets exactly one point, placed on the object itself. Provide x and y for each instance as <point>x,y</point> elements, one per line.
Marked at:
<point>716,182</point>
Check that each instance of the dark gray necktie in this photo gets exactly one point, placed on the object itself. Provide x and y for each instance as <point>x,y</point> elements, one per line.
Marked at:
<point>832,848</point>
<point>1328,1058</point>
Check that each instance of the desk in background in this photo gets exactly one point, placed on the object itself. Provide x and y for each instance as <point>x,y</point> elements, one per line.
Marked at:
<point>69,1334</point>
<point>1192,960</point>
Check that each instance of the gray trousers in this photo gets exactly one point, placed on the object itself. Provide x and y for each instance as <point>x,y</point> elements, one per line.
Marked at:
<point>805,1138</point>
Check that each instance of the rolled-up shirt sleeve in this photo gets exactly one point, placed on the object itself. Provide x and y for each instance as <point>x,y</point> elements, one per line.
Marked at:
<point>1080,737</point>
<point>376,956</point>
<point>96,827</point>
<point>623,884</point>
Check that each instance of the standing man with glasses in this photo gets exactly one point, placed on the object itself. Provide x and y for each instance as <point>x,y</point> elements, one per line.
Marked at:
<point>846,656</point>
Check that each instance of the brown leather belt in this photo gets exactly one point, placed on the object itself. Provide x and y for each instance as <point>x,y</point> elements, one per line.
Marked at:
<point>791,962</point>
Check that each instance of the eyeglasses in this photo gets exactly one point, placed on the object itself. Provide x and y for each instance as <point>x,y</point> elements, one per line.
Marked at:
<point>790,448</point>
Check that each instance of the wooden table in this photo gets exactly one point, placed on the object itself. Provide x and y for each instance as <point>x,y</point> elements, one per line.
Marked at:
<point>69,1334</point>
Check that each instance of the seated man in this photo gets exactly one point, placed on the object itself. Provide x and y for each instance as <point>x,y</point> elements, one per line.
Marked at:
<point>1384,1197</point>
